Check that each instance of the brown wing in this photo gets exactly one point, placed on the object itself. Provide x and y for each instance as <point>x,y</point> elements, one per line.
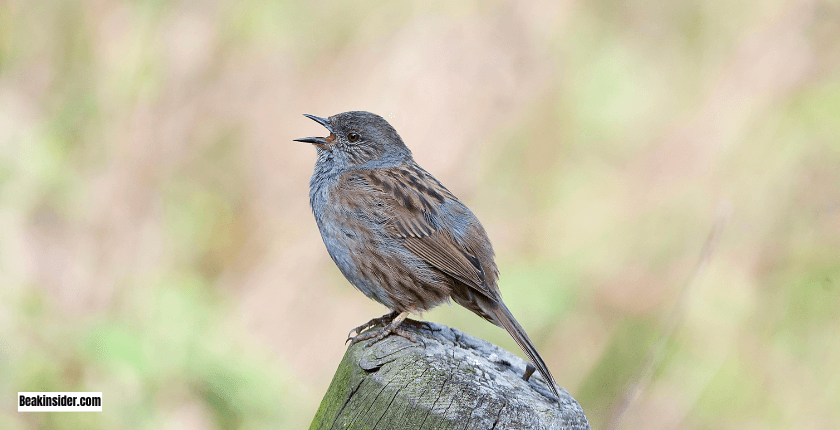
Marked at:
<point>414,199</point>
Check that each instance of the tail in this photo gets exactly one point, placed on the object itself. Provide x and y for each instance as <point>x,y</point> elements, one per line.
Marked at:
<point>502,315</point>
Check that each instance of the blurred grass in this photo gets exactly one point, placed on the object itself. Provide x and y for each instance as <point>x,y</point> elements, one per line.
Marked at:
<point>156,243</point>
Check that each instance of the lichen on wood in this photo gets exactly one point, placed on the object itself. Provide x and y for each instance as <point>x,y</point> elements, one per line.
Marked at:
<point>449,380</point>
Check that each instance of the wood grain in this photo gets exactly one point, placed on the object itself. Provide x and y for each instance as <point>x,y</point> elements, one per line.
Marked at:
<point>449,381</point>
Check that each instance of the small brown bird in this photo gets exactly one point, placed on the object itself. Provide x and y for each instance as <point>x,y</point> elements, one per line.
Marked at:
<point>398,234</point>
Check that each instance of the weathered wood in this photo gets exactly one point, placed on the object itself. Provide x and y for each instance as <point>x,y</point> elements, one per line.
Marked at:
<point>449,381</point>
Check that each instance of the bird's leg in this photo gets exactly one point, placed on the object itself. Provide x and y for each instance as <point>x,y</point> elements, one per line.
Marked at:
<point>376,321</point>
<point>392,327</point>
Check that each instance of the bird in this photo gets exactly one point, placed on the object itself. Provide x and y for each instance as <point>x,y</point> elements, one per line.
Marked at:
<point>398,235</point>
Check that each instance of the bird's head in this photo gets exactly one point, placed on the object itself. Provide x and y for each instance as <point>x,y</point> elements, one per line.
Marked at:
<point>357,138</point>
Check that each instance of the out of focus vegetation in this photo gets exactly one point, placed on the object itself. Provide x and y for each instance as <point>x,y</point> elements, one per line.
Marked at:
<point>156,242</point>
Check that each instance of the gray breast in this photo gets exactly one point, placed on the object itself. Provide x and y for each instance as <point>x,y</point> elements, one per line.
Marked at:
<point>343,234</point>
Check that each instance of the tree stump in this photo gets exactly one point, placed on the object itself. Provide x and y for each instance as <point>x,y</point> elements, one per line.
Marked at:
<point>449,380</point>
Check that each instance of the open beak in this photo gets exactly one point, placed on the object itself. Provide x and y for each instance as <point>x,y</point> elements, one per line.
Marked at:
<point>322,142</point>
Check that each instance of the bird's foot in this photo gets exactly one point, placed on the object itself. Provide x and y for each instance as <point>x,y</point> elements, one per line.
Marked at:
<point>420,324</point>
<point>374,322</point>
<point>392,327</point>
<point>377,335</point>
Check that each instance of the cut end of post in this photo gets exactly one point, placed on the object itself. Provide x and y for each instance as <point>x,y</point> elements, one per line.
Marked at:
<point>448,380</point>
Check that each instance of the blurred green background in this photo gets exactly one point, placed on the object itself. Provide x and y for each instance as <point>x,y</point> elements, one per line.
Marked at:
<point>156,242</point>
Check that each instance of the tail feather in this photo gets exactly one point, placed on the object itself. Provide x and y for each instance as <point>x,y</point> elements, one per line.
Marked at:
<point>502,315</point>
<point>495,311</point>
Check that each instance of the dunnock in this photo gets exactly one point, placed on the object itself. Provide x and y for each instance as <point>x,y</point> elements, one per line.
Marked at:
<point>398,234</point>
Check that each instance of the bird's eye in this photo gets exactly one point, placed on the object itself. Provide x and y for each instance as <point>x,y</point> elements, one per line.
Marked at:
<point>353,136</point>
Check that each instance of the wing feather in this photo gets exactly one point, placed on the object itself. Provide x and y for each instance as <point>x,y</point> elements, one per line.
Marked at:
<point>412,203</point>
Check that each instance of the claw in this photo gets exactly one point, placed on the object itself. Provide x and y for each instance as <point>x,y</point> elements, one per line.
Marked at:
<point>374,322</point>
<point>391,328</point>
<point>375,336</point>
<point>420,324</point>
<point>397,331</point>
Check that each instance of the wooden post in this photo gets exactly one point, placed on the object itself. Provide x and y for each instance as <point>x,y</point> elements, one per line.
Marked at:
<point>450,380</point>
